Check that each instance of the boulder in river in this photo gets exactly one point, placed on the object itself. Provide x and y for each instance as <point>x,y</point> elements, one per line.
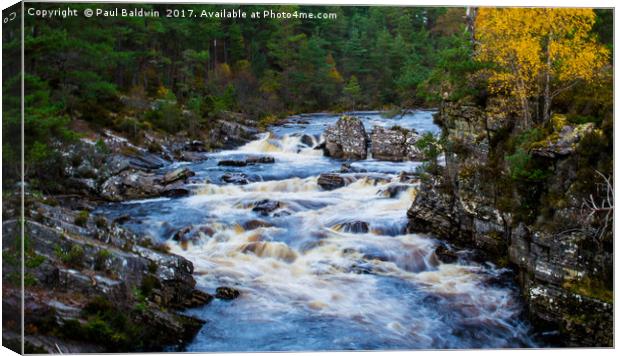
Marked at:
<point>394,144</point>
<point>346,139</point>
<point>232,163</point>
<point>247,161</point>
<point>235,178</point>
<point>255,224</point>
<point>446,255</point>
<point>264,207</point>
<point>260,159</point>
<point>227,293</point>
<point>331,181</point>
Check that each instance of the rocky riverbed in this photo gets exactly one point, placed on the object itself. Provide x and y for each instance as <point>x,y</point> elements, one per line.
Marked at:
<point>308,230</point>
<point>318,234</point>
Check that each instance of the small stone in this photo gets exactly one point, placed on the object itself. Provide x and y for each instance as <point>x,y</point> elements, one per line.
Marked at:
<point>235,178</point>
<point>227,293</point>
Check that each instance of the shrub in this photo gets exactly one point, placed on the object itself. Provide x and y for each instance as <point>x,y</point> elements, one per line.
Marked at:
<point>101,222</point>
<point>82,218</point>
<point>522,167</point>
<point>74,257</point>
<point>101,259</point>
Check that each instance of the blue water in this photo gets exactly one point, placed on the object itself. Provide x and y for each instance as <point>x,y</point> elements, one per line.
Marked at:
<point>307,281</point>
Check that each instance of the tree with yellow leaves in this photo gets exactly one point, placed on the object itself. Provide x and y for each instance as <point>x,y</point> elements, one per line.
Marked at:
<point>538,53</point>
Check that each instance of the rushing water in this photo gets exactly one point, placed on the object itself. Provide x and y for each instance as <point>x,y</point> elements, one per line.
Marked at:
<point>307,280</point>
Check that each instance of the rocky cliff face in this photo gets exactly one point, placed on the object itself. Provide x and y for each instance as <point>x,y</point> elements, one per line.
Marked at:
<point>537,226</point>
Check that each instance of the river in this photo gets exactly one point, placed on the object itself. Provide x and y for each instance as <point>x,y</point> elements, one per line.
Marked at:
<point>310,277</point>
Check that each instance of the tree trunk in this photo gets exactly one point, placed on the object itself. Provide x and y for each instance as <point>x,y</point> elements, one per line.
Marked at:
<point>547,95</point>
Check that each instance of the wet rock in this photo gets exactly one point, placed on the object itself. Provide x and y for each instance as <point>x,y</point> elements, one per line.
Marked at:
<point>227,293</point>
<point>176,175</point>
<point>198,298</point>
<point>277,250</point>
<point>331,181</point>
<point>182,233</point>
<point>122,219</point>
<point>232,163</point>
<point>355,227</point>
<point>174,191</point>
<point>393,190</point>
<point>446,255</point>
<point>264,207</point>
<point>261,160</point>
<point>307,140</point>
<point>207,230</point>
<point>346,139</point>
<point>361,268</point>
<point>255,224</point>
<point>235,178</point>
<point>282,213</point>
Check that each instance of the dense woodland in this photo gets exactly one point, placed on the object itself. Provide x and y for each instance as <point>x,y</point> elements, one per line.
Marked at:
<point>367,58</point>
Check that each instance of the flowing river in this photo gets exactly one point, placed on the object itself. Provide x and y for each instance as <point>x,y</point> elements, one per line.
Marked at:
<point>312,275</point>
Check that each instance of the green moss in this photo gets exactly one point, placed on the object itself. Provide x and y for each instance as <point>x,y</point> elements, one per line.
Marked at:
<point>591,288</point>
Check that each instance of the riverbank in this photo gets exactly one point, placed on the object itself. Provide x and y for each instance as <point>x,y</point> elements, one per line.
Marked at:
<point>92,285</point>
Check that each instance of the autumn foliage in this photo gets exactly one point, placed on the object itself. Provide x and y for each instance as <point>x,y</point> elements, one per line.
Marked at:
<point>538,53</point>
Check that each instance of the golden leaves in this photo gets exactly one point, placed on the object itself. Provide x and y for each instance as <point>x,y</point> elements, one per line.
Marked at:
<point>531,48</point>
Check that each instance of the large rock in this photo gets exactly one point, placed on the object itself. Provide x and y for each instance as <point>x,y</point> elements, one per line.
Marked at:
<point>132,184</point>
<point>264,207</point>
<point>176,175</point>
<point>394,144</point>
<point>346,139</point>
<point>565,143</point>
